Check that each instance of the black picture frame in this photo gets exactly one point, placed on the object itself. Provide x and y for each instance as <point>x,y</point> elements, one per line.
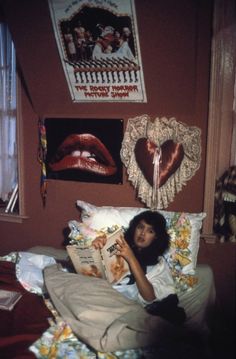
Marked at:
<point>84,136</point>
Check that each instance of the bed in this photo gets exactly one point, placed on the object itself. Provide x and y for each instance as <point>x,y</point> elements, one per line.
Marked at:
<point>39,327</point>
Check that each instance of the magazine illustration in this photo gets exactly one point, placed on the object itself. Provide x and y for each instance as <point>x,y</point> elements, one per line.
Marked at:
<point>101,263</point>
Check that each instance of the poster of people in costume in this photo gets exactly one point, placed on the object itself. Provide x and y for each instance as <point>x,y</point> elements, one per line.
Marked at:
<point>99,48</point>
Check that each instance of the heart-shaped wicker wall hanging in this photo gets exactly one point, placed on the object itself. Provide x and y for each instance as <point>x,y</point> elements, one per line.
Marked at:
<point>160,155</point>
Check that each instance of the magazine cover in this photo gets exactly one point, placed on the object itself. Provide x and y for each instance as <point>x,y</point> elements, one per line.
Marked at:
<point>98,45</point>
<point>102,263</point>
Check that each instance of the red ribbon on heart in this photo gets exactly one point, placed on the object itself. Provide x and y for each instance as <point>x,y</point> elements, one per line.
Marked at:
<point>170,153</point>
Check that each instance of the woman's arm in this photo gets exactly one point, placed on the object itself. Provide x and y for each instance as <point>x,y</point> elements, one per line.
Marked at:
<point>144,286</point>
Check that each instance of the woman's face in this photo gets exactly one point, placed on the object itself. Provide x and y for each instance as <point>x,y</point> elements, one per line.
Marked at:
<point>144,235</point>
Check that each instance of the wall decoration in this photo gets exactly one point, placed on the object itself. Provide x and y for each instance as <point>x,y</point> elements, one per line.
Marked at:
<point>225,206</point>
<point>42,153</point>
<point>160,155</point>
<point>85,150</point>
<point>99,48</point>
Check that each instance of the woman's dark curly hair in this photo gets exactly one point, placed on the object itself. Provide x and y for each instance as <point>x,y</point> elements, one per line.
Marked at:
<point>149,255</point>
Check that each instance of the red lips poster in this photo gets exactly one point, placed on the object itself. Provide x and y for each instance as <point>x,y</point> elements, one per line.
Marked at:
<point>99,49</point>
<point>86,150</point>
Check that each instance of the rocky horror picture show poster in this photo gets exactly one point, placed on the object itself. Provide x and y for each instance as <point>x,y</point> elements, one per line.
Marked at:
<point>85,150</point>
<point>99,48</point>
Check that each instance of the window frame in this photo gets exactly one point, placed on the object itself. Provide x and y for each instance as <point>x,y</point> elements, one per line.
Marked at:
<point>20,216</point>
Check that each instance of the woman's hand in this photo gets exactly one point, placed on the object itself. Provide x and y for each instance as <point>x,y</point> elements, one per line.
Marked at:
<point>144,286</point>
<point>99,242</point>
<point>123,249</point>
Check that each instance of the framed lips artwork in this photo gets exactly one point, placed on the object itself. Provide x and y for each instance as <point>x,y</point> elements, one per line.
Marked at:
<point>86,150</point>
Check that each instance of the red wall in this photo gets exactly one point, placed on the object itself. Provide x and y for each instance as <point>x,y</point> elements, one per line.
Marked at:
<point>175,48</point>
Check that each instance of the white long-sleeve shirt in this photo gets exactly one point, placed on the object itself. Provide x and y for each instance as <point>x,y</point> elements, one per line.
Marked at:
<point>159,276</point>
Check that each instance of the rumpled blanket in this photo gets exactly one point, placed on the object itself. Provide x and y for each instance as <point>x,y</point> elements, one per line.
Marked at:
<point>100,316</point>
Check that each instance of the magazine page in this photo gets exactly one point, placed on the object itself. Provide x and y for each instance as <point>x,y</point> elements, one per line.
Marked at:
<point>116,266</point>
<point>86,260</point>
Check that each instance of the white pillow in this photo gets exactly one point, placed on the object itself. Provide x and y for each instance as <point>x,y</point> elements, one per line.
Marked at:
<point>99,217</point>
<point>106,216</point>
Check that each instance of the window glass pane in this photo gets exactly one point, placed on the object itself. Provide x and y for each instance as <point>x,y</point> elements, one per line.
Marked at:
<point>8,137</point>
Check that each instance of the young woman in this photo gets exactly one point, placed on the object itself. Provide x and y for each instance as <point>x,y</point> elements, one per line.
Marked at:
<point>143,246</point>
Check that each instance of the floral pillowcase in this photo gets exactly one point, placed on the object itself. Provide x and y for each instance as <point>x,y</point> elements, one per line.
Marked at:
<point>179,256</point>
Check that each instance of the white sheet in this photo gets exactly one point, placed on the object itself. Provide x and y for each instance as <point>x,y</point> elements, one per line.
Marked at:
<point>199,301</point>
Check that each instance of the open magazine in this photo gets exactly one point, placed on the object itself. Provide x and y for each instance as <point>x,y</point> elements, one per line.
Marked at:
<point>102,263</point>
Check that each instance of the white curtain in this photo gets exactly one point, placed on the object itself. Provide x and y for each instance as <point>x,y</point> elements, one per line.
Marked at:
<point>8,146</point>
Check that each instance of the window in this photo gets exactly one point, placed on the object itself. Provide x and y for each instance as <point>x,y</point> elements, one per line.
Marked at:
<point>8,124</point>
<point>221,142</point>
